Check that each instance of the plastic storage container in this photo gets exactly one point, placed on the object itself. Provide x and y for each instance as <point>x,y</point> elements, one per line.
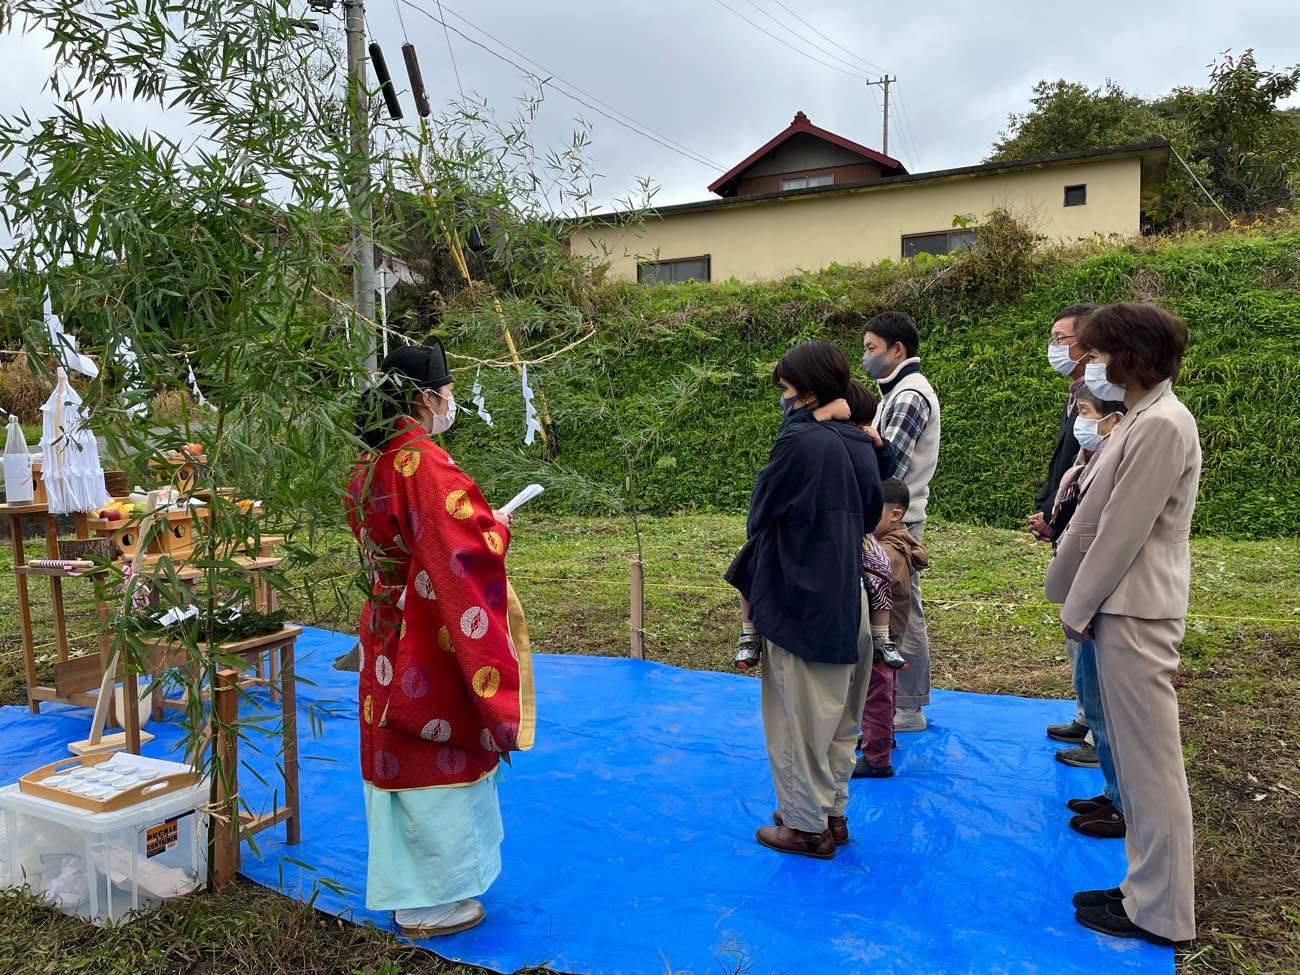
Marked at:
<point>103,866</point>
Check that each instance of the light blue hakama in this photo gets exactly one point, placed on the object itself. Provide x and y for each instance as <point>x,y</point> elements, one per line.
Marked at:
<point>432,846</point>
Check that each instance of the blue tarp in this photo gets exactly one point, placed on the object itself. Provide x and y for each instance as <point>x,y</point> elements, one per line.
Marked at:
<point>629,834</point>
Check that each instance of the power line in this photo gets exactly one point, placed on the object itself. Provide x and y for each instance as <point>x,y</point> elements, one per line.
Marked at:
<point>907,130</point>
<point>450,52</point>
<point>796,16</point>
<point>781,40</point>
<point>634,126</point>
<point>813,44</point>
<point>551,74</point>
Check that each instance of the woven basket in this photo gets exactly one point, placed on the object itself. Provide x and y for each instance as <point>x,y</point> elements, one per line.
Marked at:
<point>87,548</point>
<point>117,483</point>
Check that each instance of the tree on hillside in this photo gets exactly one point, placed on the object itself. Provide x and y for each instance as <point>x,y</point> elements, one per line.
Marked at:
<point>1240,145</point>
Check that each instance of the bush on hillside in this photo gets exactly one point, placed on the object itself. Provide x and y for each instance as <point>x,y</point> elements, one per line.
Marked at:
<point>1240,293</point>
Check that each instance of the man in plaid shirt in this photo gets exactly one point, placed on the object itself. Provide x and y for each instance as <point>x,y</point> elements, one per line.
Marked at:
<point>907,419</point>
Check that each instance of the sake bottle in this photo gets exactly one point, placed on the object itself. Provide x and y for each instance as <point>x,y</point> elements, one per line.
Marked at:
<point>18,465</point>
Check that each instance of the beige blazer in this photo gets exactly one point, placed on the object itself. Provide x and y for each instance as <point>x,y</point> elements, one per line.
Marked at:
<point>1126,552</point>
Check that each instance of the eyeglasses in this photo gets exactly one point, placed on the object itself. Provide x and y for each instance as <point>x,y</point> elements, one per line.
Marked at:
<point>1066,340</point>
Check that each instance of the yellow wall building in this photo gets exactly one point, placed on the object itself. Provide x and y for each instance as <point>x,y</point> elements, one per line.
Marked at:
<point>772,234</point>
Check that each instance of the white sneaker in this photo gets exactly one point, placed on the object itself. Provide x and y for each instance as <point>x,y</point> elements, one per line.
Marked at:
<point>434,922</point>
<point>909,719</point>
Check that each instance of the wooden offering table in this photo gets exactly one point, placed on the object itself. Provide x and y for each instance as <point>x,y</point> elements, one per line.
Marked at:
<point>225,703</point>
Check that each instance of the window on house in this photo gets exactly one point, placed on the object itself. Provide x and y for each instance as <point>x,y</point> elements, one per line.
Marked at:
<point>943,242</point>
<point>678,269</point>
<point>1076,196</point>
<point>804,182</point>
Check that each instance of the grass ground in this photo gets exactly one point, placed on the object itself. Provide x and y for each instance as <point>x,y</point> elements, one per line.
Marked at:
<point>991,632</point>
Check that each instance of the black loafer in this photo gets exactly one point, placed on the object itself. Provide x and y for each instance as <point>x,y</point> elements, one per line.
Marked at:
<point>1072,733</point>
<point>1085,756</point>
<point>863,769</point>
<point>1104,824</point>
<point>1111,919</point>
<point>1098,898</point>
<point>1090,805</point>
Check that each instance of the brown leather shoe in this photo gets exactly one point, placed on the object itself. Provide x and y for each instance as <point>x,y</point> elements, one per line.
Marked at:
<point>783,839</point>
<point>838,825</point>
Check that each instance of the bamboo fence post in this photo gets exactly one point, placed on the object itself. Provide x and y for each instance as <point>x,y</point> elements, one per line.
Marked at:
<point>637,648</point>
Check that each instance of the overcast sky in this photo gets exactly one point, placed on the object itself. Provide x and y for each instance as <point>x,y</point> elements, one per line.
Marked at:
<point>698,73</point>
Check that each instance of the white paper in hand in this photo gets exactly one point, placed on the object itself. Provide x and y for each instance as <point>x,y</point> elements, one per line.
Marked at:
<point>522,498</point>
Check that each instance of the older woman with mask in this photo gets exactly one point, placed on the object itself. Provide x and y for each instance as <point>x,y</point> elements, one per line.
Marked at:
<point>1121,575</point>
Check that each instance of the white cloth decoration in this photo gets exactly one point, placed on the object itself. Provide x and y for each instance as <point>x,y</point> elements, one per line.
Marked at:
<point>134,392</point>
<point>71,471</point>
<point>66,345</point>
<point>532,426</point>
<point>480,407</point>
<point>194,386</point>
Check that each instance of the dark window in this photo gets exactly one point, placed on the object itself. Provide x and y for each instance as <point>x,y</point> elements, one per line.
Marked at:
<point>1076,196</point>
<point>679,269</point>
<point>804,182</point>
<point>943,242</point>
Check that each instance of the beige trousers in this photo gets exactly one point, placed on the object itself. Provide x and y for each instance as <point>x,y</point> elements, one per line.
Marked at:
<point>811,713</point>
<point>1136,661</point>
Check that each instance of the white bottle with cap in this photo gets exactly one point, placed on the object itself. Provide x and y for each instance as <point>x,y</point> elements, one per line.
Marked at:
<point>18,465</point>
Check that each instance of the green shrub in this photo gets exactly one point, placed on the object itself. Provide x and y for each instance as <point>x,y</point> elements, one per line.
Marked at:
<point>1240,294</point>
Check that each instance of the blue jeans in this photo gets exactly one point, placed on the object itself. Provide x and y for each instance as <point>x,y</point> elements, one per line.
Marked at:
<point>1087,686</point>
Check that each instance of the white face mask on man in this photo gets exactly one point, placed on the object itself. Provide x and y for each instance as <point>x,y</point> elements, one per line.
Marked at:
<point>441,423</point>
<point>1094,374</point>
<point>1058,357</point>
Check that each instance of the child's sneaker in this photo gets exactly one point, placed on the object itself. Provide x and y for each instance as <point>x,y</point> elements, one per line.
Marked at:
<point>749,650</point>
<point>886,653</point>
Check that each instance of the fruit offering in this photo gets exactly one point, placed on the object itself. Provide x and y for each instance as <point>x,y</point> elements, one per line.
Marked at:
<point>117,510</point>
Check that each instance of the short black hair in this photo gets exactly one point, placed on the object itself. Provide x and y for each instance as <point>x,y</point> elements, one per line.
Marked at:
<point>1103,406</point>
<point>895,493</point>
<point>896,326</point>
<point>819,368</point>
<point>862,402</point>
<point>1144,342</point>
<point>1077,310</point>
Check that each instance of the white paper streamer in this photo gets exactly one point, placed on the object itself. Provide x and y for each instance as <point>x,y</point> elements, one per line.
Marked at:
<point>531,425</point>
<point>134,392</point>
<point>194,387</point>
<point>65,344</point>
<point>480,407</point>
<point>71,471</point>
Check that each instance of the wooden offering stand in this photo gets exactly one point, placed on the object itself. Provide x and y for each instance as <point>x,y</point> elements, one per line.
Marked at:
<point>225,702</point>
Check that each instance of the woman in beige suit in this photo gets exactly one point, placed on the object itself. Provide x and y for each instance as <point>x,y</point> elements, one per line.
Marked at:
<point>1121,574</point>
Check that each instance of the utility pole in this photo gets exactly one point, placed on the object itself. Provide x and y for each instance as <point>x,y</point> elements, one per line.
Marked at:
<point>363,246</point>
<point>884,83</point>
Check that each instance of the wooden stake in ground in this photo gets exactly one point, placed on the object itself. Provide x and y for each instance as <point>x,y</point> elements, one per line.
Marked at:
<point>131,737</point>
<point>637,649</point>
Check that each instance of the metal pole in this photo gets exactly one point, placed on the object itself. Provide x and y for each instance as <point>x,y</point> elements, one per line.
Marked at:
<point>383,306</point>
<point>363,257</point>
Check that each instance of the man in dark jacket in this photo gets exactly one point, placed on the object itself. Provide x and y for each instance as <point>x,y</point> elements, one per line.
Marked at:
<point>801,571</point>
<point>1065,358</point>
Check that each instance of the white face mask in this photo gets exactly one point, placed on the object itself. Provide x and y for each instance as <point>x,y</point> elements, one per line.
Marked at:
<point>441,424</point>
<point>1094,374</point>
<point>1085,431</point>
<point>1058,357</point>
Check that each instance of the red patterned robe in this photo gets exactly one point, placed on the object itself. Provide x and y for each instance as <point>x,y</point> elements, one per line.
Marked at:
<point>444,689</point>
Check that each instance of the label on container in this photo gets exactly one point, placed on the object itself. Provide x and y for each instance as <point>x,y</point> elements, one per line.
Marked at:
<point>162,837</point>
